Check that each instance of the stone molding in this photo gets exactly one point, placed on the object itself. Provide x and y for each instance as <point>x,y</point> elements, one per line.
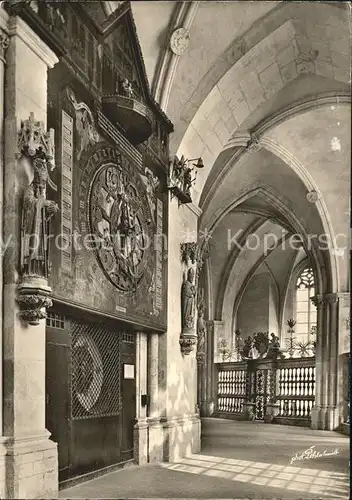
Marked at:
<point>17,27</point>
<point>167,64</point>
<point>4,18</point>
<point>194,209</point>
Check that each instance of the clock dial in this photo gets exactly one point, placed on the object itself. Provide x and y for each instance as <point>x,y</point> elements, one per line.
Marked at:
<point>120,218</point>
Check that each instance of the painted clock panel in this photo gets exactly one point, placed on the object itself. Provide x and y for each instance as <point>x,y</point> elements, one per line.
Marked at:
<point>120,218</point>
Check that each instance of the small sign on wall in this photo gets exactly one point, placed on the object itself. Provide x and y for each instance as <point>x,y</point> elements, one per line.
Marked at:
<point>128,371</point>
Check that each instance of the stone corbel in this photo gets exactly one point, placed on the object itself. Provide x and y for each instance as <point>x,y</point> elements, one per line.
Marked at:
<point>34,297</point>
<point>189,252</point>
<point>36,146</point>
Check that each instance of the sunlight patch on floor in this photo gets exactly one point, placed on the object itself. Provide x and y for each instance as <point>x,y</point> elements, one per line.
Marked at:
<point>314,481</point>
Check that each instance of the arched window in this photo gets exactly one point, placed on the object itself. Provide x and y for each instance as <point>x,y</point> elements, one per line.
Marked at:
<point>306,312</point>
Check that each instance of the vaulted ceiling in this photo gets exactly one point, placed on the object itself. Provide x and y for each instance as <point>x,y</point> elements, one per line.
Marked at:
<point>280,70</point>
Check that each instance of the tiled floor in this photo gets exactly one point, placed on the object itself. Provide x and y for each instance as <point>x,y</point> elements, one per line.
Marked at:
<point>238,460</point>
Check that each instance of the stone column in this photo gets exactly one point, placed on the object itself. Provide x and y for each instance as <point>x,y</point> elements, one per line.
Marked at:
<point>209,372</point>
<point>140,434</point>
<point>316,410</point>
<point>4,43</point>
<point>155,431</point>
<point>331,417</point>
<point>344,330</point>
<point>32,468</point>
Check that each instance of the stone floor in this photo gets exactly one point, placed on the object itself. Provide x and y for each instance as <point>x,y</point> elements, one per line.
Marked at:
<point>238,460</point>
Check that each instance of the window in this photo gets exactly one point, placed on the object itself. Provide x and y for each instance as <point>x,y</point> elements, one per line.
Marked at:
<point>306,313</point>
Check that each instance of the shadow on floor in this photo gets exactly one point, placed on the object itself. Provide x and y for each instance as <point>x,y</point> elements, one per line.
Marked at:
<point>238,460</point>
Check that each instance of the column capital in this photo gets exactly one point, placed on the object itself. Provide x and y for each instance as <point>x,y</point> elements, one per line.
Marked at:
<point>4,43</point>
<point>331,298</point>
<point>317,300</point>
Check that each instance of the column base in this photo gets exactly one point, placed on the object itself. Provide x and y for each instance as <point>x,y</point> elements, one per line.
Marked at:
<point>140,442</point>
<point>332,420</point>
<point>316,418</point>
<point>326,418</point>
<point>155,440</point>
<point>31,467</point>
<point>181,436</point>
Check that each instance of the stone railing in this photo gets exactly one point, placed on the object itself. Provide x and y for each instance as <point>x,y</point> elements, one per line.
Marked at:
<point>280,391</point>
<point>231,387</point>
<point>295,390</point>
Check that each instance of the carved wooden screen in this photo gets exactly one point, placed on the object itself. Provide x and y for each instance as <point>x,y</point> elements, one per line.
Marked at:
<point>95,371</point>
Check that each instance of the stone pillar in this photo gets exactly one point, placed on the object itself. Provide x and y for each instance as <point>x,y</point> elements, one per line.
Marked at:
<point>32,468</point>
<point>140,434</point>
<point>317,409</point>
<point>4,43</point>
<point>331,416</point>
<point>210,372</point>
<point>344,329</point>
<point>155,431</point>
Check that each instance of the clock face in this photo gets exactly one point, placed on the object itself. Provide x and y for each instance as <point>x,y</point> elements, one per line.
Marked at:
<point>120,220</point>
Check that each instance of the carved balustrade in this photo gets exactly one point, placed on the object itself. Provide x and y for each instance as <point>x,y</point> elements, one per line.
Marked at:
<point>281,391</point>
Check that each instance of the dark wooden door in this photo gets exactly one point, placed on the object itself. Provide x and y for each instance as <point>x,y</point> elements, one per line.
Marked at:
<point>91,387</point>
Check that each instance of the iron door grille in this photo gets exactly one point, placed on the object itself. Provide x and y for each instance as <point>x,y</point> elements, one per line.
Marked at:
<point>95,371</point>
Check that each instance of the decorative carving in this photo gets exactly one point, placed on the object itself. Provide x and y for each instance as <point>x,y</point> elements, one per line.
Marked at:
<point>119,217</point>
<point>180,179</point>
<point>33,299</point>
<point>305,62</point>
<point>187,343</point>
<point>53,16</point>
<point>189,252</point>
<point>312,196</point>
<point>126,88</point>
<point>260,346</point>
<point>179,41</point>
<point>317,301</point>
<point>85,124</point>
<point>4,43</point>
<point>151,183</point>
<point>201,328</point>
<point>253,144</point>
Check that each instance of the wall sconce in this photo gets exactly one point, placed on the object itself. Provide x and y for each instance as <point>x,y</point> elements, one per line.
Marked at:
<point>180,177</point>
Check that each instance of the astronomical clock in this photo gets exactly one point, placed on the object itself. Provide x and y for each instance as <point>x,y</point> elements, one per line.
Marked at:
<point>112,158</point>
<point>120,220</point>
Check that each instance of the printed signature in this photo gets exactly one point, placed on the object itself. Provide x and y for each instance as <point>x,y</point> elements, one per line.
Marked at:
<point>311,453</point>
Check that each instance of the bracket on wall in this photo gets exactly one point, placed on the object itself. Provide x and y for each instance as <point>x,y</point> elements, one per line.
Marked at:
<point>180,180</point>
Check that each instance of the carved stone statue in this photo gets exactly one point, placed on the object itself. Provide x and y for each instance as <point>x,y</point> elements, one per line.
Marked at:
<point>36,213</point>
<point>188,294</point>
<point>201,331</point>
<point>85,124</point>
<point>36,147</point>
<point>127,89</point>
<point>187,179</point>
